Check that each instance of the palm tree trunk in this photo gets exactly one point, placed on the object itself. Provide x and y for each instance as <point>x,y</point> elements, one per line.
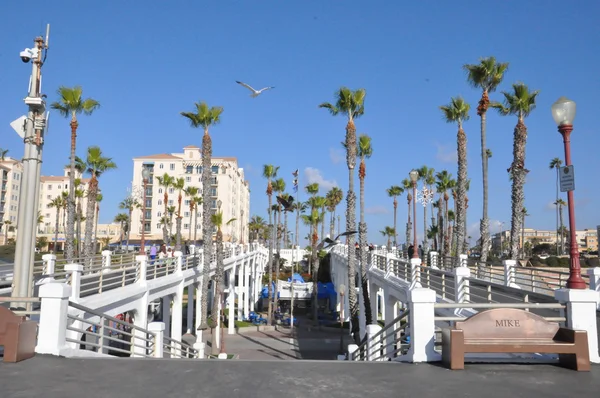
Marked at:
<point>447,231</point>
<point>332,225</point>
<point>351,226</point>
<point>314,259</point>
<point>218,284</point>
<point>277,266</point>
<point>178,225</point>
<point>191,223</point>
<point>129,227</point>
<point>206,227</point>
<point>96,227</point>
<point>440,233</point>
<point>285,230</point>
<point>79,243</point>
<point>166,215</point>
<point>395,222</point>
<point>362,244</point>
<point>270,261</point>
<point>70,235</point>
<point>523,236</point>
<point>55,232</point>
<point>518,183</point>
<point>484,226</point>
<point>562,235</point>
<point>461,191</point>
<point>89,219</point>
<point>195,224</point>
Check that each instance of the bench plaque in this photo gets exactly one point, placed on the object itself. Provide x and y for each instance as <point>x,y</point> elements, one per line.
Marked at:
<point>510,330</point>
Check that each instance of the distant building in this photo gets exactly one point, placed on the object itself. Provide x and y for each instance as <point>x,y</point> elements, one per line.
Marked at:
<point>11,172</point>
<point>228,185</point>
<point>587,239</point>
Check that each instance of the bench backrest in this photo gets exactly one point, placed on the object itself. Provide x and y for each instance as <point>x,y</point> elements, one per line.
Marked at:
<point>508,323</point>
<point>6,317</point>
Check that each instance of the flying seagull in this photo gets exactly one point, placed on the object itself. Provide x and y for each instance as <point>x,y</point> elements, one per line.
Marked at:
<point>255,93</point>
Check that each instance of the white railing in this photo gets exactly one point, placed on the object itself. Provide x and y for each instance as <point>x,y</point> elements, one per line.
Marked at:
<point>383,344</point>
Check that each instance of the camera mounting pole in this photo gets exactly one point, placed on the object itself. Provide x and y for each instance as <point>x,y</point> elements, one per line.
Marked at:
<point>30,181</point>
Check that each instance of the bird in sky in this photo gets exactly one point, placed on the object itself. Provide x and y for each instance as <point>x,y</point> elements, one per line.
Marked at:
<point>255,93</point>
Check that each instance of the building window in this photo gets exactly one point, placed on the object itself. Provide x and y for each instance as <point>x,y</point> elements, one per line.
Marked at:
<point>198,169</point>
<point>172,166</point>
<point>213,192</point>
<point>158,214</point>
<point>186,226</point>
<point>160,190</point>
<point>188,179</point>
<point>161,166</point>
<point>160,202</point>
<point>148,202</point>
<point>186,202</point>
<point>49,197</point>
<point>189,169</point>
<point>186,214</point>
<point>170,202</point>
<point>49,187</point>
<point>171,190</point>
<point>214,180</point>
<point>59,186</point>
<point>213,204</point>
<point>215,169</point>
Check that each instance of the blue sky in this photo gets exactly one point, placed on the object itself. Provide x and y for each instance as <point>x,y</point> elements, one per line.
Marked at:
<point>146,61</point>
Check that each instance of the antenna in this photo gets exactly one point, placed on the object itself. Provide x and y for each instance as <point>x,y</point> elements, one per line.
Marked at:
<point>47,35</point>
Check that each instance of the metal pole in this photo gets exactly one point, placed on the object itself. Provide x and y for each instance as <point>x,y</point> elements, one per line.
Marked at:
<point>415,247</point>
<point>575,281</point>
<point>29,197</point>
<point>292,307</point>
<point>143,238</point>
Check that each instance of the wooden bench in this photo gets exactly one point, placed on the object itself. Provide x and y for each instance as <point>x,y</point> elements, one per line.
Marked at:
<point>17,335</point>
<point>509,330</point>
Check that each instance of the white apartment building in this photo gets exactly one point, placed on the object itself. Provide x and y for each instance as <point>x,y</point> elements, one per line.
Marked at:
<point>228,185</point>
<point>11,172</point>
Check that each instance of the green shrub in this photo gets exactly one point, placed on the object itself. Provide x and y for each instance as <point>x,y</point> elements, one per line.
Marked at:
<point>552,262</point>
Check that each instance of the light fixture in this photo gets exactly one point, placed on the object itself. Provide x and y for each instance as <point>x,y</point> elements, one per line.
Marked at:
<point>414,175</point>
<point>219,203</point>
<point>145,173</point>
<point>563,111</point>
<point>342,289</point>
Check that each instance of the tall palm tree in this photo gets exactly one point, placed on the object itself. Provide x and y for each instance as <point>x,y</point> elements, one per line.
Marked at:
<point>97,164</point>
<point>165,181</point>
<point>205,117</point>
<point>171,210</point>
<point>365,151</point>
<point>351,104</point>
<point>427,176</point>
<point>457,111</point>
<point>520,102</point>
<point>122,219</point>
<point>270,172</point>
<point>80,193</point>
<point>407,186</point>
<point>560,204</point>
<point>300,208</point>
<point>191,192</point>
<point>99,198</point>
<point>388,233</point>
<point>217,220</point>
<point>278,187</point>
<point>70,104</point>
<point>129,203</point>
<point>555,164</point>
<point>393,192</point>
<point>287,197</point>
<point>179,185</point>
<point>334,197</point>
<point>487,76</point>
<point>312,220</point>
<point>256,225</point>
<point>57,203</point>
<point>312,190</point>
<point>444,183</point>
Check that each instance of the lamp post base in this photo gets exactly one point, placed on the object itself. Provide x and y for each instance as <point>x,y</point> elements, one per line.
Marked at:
<point>575,280</point>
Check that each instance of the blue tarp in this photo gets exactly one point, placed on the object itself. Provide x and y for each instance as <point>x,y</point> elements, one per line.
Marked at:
<point>297,278</point>
<point>265,291</point>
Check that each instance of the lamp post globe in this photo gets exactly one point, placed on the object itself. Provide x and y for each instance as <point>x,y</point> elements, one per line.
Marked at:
<point>563,113</point>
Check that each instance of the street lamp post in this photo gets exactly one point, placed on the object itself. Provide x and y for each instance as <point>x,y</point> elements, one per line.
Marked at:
<point>342,291</point>
<point>145,178</point>
<point>563,112</point>
<point>414,176</point>
<point>31,129</point>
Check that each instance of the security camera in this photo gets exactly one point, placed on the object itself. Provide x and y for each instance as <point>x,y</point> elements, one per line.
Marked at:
<point>27,54</point>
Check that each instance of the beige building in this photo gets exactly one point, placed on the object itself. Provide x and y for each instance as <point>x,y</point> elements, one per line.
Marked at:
<point>11,172</point>
<point>587,239</point>
<point>228,185</point>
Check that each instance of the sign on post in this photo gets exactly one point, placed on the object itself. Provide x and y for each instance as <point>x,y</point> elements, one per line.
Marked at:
<point>567,178</point>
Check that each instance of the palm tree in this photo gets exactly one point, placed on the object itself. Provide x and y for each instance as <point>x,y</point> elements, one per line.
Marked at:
<point>57,203</point>
<point>300,208</point>
<point>407,186</point>
<point>559,205</point>
<point>270,172</point>
<point>97,164</point>
<point>393,192</point>
<point>171,212</point>
<point>179,185</point>
<point>457,111</point>
<point>334,197</point>
<point>191,192</point>
<point>519,102</point>
<point>389,233</point>
<point>256,225</point>
<point>444,183</point>
<point>99,199</point>
<point>312,220</point>
<point>7,224</point>
<point>278,187</point>
<point>205,118</point>
<point>122,219</point>
<point>166,182</point>
<point>129,203</point>
<point>555,164</point>
<point>217,220</point>
<point>365,151</point>
<point>432,233</point>
<point>70,104</point>
<point>427,176</point>
<point>487,76</point>
<point>287,197</point>
<point>351,104</point>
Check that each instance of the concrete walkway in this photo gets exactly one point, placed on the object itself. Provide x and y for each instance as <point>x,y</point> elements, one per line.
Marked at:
<point>53,377</point>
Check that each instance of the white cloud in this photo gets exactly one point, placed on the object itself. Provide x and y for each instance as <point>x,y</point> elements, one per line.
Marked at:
<point>446,153</point>
<point>336,155</point>
<point>377,210</point>
<point>313,175</point>
<point>495,225</point>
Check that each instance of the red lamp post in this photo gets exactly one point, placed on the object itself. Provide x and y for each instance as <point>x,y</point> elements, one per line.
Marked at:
<point>145,177</point>
<point>414,176</point>
<point>563,112</point>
